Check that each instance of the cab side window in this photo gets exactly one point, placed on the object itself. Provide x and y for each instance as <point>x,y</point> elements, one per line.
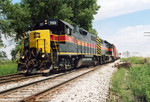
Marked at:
<point>68,30</point>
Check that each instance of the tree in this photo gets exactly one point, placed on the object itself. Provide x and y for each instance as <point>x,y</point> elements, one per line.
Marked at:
<point>21,17</point>
<point>3,55</point>
<point>93,31</point>
<point>83,12</point>
<point>15,19</point>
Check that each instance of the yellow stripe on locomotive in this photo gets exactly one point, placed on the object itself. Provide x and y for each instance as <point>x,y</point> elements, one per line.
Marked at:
<point>40,39</point>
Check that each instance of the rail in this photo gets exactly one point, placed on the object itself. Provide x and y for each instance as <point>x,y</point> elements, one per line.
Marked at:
<point>24,91</point>
<point>37,96</point>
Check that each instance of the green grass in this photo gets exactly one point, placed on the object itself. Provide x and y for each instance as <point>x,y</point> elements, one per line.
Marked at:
<point>124,59</point>
<point>132,85</point>
<point>118,91</point>
<point>139,82</point>
<point>135,60</point>
<point>8,67</point>
<point>118,80</point>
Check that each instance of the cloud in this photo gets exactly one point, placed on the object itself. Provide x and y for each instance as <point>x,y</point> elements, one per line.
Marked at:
<point>132,39</point>
<point>111,8</point>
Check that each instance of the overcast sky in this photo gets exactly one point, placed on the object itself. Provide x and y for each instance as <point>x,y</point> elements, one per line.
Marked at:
<point>122,22</point>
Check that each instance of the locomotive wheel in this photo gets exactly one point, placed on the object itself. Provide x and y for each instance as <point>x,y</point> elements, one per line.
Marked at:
<point>67,63</point>
<point>104,60</point>
<point>75,62</point>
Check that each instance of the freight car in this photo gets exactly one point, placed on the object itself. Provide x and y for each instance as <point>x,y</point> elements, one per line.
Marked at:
<point>57,45</point>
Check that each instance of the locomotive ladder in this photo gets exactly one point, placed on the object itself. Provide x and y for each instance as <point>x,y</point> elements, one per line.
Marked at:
<point>20,52</point>
<point>54,47</point>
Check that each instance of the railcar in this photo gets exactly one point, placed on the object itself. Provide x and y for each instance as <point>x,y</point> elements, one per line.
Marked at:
<point>57,45</point>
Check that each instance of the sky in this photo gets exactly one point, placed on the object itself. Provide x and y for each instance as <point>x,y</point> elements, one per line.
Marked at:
<point>123,23</point>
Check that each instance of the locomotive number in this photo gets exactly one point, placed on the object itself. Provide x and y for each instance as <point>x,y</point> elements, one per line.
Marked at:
<point>36,35</point>
<point>53,22</point>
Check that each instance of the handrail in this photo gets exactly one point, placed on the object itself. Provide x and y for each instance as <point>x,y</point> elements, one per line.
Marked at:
<point>56,49</point>
<point>51,54</point>
<point>21,48</point>
<point>55,45</point>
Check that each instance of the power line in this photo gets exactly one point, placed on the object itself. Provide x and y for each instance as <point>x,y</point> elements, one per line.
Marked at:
<point>146,33</point>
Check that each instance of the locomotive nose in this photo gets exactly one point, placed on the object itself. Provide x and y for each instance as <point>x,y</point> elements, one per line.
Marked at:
<point>40,39</point>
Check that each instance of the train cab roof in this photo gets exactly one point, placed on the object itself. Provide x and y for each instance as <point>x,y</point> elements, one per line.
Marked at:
<point>83,31</point>
<point>107,43</point>
<point>48,23</point>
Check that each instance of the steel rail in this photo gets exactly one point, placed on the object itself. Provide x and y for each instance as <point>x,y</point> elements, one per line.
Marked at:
<point>11,75</point>
<point>21,92</point>
<point>37,96</point>
<point>33,83</point>
<point>17,79</point>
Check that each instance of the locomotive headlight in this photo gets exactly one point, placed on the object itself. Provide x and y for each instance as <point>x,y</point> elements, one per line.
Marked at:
<point>45,22</point>
<point>43,55</point>
<point>22,57</point>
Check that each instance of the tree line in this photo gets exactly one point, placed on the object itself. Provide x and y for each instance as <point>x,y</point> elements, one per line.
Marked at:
<point>19,18</point>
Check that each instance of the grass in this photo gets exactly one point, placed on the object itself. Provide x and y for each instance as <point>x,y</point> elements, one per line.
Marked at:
<point>131,85</point>
<point>119,90</point>
<point>118,80</point>
<point>8,67</point>
<point>139,82</point>
<point>135,60</point>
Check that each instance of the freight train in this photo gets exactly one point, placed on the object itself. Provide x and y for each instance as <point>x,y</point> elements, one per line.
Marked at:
<point>57,45</point>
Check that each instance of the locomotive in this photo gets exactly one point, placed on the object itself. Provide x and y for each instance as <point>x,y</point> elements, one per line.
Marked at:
<point>57,45</point>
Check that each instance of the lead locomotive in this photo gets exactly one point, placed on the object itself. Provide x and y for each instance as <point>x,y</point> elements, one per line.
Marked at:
<point>56,45</point>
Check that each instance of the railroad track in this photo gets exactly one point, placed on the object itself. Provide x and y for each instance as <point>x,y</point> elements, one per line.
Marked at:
<point>35,90</point>
<point>10,76</point>
<point>15,78</point>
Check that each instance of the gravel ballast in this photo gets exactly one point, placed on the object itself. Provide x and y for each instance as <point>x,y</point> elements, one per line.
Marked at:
<point>10,85</point>
<point>93,87</point>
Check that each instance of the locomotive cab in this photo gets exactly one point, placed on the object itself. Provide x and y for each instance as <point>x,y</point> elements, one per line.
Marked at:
<point>56,26</point>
